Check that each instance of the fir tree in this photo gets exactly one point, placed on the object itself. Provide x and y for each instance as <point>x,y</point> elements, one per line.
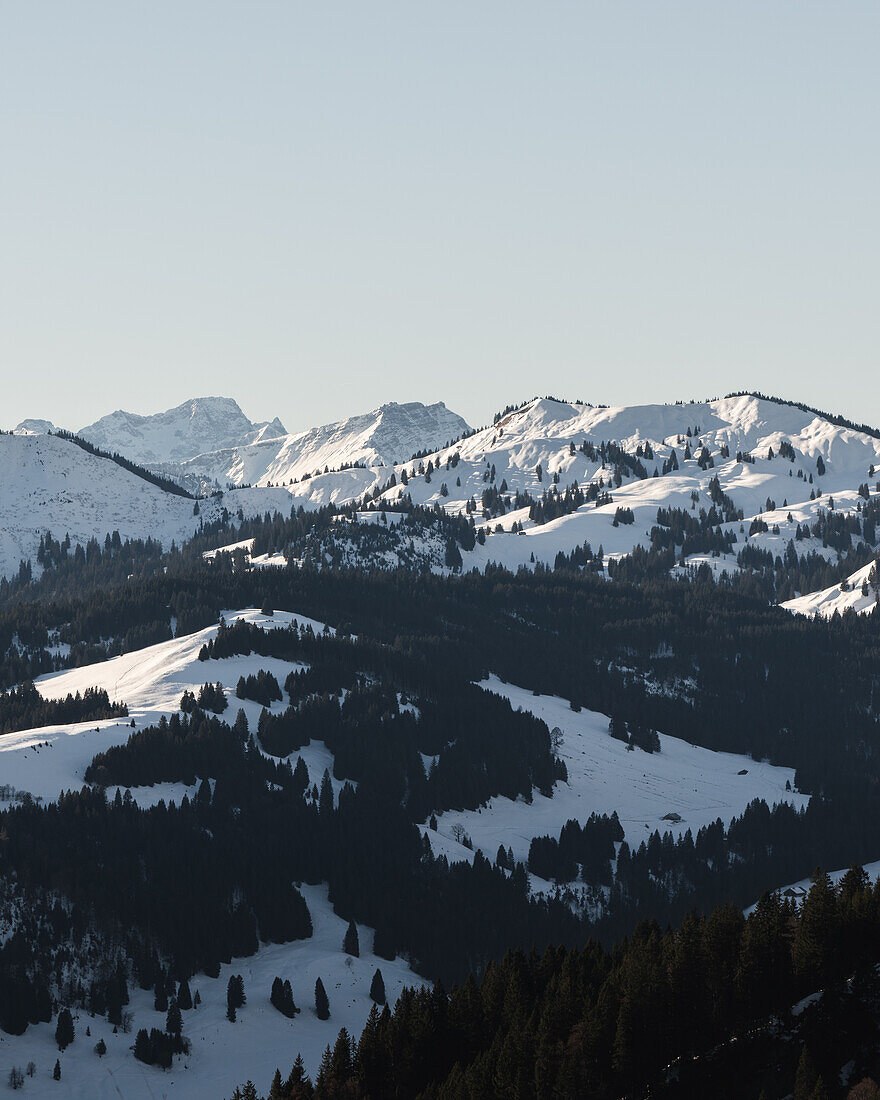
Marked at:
<point>806,1078</point>
<point>173,1019</point>
<point>64,1033</point>
<point>350,942</point>
<point>322,1004</point>
<point>142,1046</point>
<point>377,988</point>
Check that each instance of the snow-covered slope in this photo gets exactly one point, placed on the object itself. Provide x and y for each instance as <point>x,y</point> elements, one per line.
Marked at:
<point>775,462</point>
<point>34,427</point>
<point>151,681</point>
<point>382,437</point>
<point>859,592</point>
<point>51,759</point>
<point>697,784</point>
<point>202,424</point>
<point>547,434</point>
<point>222,1053</point>
<point>51,484</point>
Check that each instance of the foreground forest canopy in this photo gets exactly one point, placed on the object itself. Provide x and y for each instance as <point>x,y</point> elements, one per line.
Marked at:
<point>702,1010</point>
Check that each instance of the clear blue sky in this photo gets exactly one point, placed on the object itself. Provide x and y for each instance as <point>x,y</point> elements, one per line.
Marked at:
<point>318,207</point>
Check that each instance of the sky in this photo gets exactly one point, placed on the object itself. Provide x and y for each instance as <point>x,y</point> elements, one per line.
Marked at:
<point>315,208</point>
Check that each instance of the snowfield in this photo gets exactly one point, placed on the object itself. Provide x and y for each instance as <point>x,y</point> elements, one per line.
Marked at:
<point>541,433</point>
<point>51,484</point>
<point>223,1054</point>
<point>837,598</point>
<point>695,783</point>
<point>51,759</point>
<point>603,776</point>
<point>199,425</point>
<point>388,434</point>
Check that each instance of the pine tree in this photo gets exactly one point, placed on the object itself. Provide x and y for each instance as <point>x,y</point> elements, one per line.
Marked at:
<point>184,997</point>
<point>806,1078</point>
<point>377,988</point>
<point>351,943</point>
<point>816,944</point>
<point>297,1086</point>
<point>64,1033</point>
<point>235,997</point>
<point>325,800</point>
<point>322,1004</point>
<point>341,1059</point>
<point>56,1072</point>
<point>160,995</point>
<point>142,1046</point>
<point>173,1019</point>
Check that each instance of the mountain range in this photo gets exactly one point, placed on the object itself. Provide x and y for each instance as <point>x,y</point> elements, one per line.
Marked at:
<point>587,675</point>
<point>546,477</point>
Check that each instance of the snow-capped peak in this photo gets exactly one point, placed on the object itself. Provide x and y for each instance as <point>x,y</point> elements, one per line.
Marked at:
<point>388,434</point>
<point>34,427</point>
<point>198,425</point>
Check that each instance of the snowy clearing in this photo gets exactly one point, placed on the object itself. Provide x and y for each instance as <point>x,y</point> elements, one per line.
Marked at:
<point>223,1054</point>
<point>698,784</point>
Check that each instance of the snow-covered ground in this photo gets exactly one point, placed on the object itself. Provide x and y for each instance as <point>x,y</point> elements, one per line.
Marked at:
<point>695,783</point>
<point>51,484</point>
<point>388,434</point>
<point>800,888</point>
<point>838,598</point>
<point>51,759</point>
<point>541,433</point>
<point>151,681</point>
<point>603,776</point>
<point>223,1054</point>
<point>49,487</point>
<point>199,425</point>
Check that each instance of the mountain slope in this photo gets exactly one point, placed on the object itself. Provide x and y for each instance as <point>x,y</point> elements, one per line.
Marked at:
<point>51,484</point>
<point>858,592</point>
<point>202,424</point>
<point>388,434</point>
<point>549,434</point>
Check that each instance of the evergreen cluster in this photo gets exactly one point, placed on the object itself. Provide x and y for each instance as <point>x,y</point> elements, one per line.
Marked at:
<point>24,708</point>
<point>704,1009</point>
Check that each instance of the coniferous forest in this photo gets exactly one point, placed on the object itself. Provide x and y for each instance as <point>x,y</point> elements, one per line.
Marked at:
<point>659,986</point>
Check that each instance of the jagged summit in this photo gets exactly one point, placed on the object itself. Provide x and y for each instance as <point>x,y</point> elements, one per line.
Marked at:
<point>390,433</point>
<point>198,425</point>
